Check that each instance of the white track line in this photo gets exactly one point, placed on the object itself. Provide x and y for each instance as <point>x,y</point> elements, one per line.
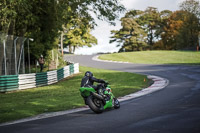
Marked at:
<point>96,58</point>
<point>159,83</point>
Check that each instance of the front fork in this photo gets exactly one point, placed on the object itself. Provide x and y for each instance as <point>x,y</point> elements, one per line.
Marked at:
<point>100,91</point>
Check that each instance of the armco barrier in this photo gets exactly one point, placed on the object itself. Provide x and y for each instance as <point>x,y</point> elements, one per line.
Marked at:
<point>26,81</point>
<point>60,74</point>
<point>8,83</point>
<point>71,68</point>
<point>41,79</point>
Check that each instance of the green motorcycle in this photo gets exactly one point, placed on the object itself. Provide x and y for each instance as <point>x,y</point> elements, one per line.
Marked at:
<point>101,100</point>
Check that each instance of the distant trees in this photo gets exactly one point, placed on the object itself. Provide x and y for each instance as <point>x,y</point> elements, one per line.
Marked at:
<point>131,35</point>
<point>182,28</point>
<point>192,6</point>
<point>150,22</point>
<point>192,21</point>
<point>181,32</point>
<point>77,34</point>
<point>151,29</point>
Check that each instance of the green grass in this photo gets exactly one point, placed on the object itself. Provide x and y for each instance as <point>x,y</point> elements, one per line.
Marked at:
<point>156,57</point>
<point>63,95</point>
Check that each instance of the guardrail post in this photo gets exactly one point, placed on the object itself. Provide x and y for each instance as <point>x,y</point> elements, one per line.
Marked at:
<point>15,55</point>
<point>4,49</point>
<point>22,47</point>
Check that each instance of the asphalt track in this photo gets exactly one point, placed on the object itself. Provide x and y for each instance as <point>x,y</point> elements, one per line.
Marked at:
<point>174,109</point>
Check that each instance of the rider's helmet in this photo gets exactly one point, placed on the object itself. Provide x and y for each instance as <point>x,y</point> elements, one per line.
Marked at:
<point>89,74</point>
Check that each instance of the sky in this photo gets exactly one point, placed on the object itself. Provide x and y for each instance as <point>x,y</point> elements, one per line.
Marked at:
<point>102,31</point>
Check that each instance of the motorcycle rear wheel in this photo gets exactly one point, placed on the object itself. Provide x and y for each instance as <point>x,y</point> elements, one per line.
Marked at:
<point>95,104</point>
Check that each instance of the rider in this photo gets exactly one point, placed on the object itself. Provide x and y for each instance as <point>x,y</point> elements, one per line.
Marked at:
<point>88,81</point>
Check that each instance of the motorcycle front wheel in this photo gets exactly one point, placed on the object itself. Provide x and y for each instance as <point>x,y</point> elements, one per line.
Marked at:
<point>116,103</point>
<point>95,104</point>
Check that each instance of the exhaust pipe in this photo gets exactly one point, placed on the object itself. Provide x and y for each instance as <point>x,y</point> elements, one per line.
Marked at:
<point>97,96</point>
<point>100,97</point>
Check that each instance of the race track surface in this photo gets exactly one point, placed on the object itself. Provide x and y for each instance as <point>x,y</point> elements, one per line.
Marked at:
<point>174,109</point>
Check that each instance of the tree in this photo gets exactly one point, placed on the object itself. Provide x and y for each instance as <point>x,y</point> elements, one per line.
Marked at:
<point>181,31</point>
<point>192,6</point>
<point>164,16</point>
<point>188,34</point>
<point>131,35</point>
<point>192,23</point>
<point>171,30</point>
<point>150,22</point>
<point>77,34</point>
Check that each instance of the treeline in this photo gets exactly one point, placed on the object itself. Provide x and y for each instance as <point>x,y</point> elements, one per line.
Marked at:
<point>49,21</point>
<point>164,30</point>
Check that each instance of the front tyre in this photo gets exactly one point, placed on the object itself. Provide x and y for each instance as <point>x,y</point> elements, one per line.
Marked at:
<point>95,104</point>
<point>116,103</point>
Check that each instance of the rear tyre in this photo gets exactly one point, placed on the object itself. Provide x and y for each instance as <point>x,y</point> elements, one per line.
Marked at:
<point>95,104</point>
<point>116,103</point>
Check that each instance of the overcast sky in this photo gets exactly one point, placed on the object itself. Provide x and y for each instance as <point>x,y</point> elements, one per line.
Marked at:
<point>102,31</point>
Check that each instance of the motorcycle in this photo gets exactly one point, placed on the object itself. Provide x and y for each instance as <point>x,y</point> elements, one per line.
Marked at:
<point>101,100</point>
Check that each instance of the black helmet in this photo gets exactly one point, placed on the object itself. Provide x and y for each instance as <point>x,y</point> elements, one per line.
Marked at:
<point>89,74</point>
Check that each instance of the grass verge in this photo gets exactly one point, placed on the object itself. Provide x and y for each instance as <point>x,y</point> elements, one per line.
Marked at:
<point>156,57</point>
<point>63,95</point>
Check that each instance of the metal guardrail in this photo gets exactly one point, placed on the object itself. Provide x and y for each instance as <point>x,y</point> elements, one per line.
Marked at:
<point>26,81</point>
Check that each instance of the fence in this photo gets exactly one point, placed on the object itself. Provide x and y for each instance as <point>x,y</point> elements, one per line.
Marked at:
<point>12,54</point>
<point>26,81</point>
